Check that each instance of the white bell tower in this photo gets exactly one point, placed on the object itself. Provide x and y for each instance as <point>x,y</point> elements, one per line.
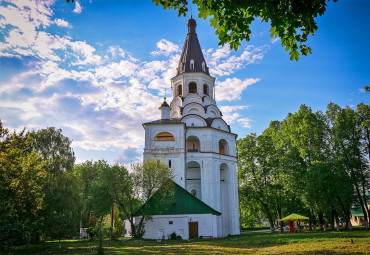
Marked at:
<point>194,140</point>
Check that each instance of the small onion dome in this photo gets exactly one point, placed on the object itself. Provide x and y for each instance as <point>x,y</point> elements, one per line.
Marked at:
<point>191,25</point>
<point>164,104</point>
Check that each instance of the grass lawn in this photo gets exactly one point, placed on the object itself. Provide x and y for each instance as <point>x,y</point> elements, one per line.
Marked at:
<point>247,243</point>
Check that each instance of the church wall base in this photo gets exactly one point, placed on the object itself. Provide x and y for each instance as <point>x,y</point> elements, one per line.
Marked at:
<point>162,226</point>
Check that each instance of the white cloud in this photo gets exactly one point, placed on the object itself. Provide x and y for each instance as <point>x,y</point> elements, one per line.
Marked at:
<point>275,40</point>
<point>232,88</point>
<point>165,48</point>
<point>231,114</point>
<point>222,63</point>
<point>116,70</point>
<point>116,51</point>
<point>98,100</point>
<point>245,122</point>
<point>61,23</point>
<point>85,51</point>
<point>78,7</point>
<point>361,90</point>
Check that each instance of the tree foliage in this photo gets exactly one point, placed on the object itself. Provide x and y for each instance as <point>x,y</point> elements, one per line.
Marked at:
<point>22,176</point>
<point>291,20</point>
<point>311,163</point>
<point>103,185</point>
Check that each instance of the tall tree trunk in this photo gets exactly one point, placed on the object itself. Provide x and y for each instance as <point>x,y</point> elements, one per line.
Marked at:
<point>346,213</point>
<point>321,221</point>
<point>100,249</point>
<point>111,223</point>
<point>337,220</point>
<point>279,212</point>
<point>332,218</point>
<point>363,205</point>
<point>313,220</point>
<point>364,198</point>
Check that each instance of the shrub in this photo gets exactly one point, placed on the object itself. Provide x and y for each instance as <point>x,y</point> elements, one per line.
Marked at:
<point>173,236</point>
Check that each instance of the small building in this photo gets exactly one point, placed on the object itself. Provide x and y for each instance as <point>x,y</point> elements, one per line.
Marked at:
<point>357,217</point>
<point>184,214</point>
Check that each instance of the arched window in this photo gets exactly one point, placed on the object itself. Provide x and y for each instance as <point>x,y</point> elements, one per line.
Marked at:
<point>205,89</point>
<point>192,87</point>
<point>179,91</point>
<point>192,144</point>
<point>223,147</point>
<point>204,66</point>
<point>164,136</point>
<point>192,64</point>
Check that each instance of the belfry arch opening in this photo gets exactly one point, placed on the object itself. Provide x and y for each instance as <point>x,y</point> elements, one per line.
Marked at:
<point>223,147</point>
<point>164,136</point>
<point>224,197</point>
<point>205,89</point>
<point>192,87</point>
<point>192,144</point>
<point>193,179</point>
<point>179,91</point>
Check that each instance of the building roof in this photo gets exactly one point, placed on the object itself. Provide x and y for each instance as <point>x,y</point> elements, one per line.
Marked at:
<point>165,121</point>
<point>357,212</point>
<point>182,202</point>
<point>164,104</point>
<point>192,51</point>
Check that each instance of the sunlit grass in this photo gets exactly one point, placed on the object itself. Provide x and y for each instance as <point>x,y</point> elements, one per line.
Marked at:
<point>248,243</point>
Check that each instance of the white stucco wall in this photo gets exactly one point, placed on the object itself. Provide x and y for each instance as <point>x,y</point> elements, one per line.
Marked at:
<point>159,225</point>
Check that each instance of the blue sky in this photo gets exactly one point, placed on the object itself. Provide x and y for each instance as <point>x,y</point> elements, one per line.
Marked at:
<point>98,69</point>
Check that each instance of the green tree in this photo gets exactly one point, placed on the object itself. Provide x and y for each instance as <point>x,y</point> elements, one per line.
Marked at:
<point>22,176</point>
<point>291,20</point>
<point>61,202</point>
<point>131,190</point>
<point>256,175</point>
<point>95,191</point>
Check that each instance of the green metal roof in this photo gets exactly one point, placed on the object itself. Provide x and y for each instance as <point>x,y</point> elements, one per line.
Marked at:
<point>182,202</point>
<point>357,212</point>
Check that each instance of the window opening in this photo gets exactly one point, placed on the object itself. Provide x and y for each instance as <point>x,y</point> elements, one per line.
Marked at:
<point>179,90</point>
<point>192,64</point>
<point>164,136</point>
<point>192,87</point>
<point>205,89</point>
<point>169,163</point>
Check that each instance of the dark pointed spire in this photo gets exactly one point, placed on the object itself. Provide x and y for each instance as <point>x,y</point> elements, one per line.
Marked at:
<point>192,59</point>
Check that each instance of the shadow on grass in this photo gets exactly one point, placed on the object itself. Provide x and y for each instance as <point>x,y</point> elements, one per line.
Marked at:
<point>245,243</point>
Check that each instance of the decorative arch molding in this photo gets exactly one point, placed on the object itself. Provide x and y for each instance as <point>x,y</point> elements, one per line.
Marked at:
<point>194,121</point>
<point>213,112</point>
<point>223,147</point>
<point>194,108</point>
<point>164,136</point>
<point>220,124</point>
<point>207,100</point>
<point>176,101</point>
<point>175,112</point>
<point>192,143</point>
<point>192,98</point>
